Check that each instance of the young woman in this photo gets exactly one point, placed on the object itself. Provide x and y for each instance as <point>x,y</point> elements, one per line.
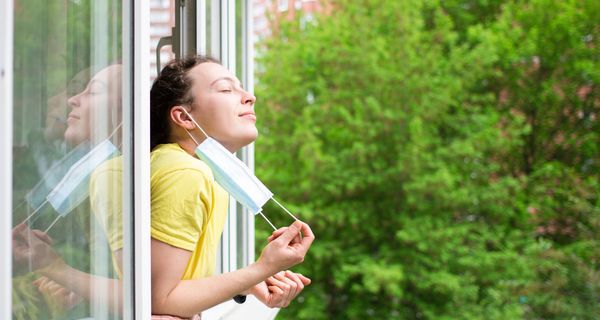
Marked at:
<point>189,208</point>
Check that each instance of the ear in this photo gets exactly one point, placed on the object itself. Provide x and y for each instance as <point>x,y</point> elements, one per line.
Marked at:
<point>180,118</point>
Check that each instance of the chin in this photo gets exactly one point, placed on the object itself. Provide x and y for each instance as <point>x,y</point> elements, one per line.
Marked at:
<point>72,139</point>
<point>252,137</point>
<point>248,138</point>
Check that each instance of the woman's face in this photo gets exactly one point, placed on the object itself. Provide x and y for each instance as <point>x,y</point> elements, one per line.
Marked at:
<point>56,116</point>
<point>222,107</point>
<point>95,111</point>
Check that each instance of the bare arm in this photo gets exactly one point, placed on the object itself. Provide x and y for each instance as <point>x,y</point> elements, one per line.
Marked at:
<point>36,246</point>
<point>83,284</point>
<point>184,298</point>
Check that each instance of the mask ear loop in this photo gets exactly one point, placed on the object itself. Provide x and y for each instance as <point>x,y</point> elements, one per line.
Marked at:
<point>269,222</point>
<point>197,126</point>
<point>284,208</point>
<point>206,135</point>
<point>53,223</point>
<point>35,211</point>
<point>60,216</point>
<point>114,132</point>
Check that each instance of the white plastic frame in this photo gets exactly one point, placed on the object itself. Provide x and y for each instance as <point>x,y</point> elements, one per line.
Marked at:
<point>6,130</point>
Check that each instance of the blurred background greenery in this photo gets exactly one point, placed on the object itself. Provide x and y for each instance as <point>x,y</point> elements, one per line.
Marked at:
<point>445,153</point>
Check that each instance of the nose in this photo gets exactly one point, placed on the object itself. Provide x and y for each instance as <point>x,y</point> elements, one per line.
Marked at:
<point>248,97</point>
<point>74,101</point>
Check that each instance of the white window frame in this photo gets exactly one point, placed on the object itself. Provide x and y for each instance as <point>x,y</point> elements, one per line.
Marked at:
<point>136,186</point>
<point>136,36</point>
<point>6,131</point>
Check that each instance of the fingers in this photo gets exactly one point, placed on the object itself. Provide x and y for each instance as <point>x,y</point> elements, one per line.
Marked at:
<point>50,287</point>
<point>40,281</point>
<point>297,283</point>
<point>18,232</point>
<point>290,233</point>
<point>19,228</point>
<point>22,232</point>
<point>276,297</point>
<point>276,234</point>
<point>305,280</point>
<point>43,236</point>
<point>291,287</point>
<point>308,238</point>
<point>59,295</point>
<point>293,234</point>
<point>283,296</point>
<point>281,231</point>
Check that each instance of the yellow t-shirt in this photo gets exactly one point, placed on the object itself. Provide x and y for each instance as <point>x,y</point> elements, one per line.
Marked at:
<point>189,208</point>
<point>106,192</point>
<point>106,185</point>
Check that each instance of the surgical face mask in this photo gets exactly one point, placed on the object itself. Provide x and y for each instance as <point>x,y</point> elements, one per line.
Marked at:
<point>73,189</point>
<point>37,196</point>
<point>234,176</point>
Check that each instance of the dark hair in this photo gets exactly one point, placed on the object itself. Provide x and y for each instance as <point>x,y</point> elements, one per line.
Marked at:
<point>171,88</point>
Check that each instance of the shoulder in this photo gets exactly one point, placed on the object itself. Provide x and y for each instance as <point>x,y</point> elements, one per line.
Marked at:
<point>109,170</point>
<point>113,164</point>
<point>170,163</point>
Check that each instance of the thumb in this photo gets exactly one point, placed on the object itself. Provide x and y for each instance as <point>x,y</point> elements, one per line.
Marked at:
<point>43,236</point>
<point>291,232</point>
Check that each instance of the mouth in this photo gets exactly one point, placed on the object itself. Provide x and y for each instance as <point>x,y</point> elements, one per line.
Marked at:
<point>248,115</point>
<point>72,117</point>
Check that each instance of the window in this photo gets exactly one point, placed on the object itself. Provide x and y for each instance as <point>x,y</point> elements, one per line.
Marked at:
<point>70,160</point>
<point>76,145</point>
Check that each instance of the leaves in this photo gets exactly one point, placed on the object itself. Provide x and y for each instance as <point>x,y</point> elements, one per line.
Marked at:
<point>432,146</point>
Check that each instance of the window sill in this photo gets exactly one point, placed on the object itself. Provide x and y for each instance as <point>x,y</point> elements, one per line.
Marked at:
<point>251,309</point>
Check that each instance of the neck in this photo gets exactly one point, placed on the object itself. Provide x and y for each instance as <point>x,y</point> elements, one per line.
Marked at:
<point>188,145</point>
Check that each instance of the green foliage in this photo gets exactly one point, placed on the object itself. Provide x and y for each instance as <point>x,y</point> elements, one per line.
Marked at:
<point>444,153</point>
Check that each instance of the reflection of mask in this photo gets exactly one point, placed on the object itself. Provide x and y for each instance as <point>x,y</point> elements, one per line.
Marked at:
<point>73,189</point>
<point>37,196</point>
<point>234,176</point>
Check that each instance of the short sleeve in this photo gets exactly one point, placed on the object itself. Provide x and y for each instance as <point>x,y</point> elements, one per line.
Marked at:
<point>106,185</point>
<point>180,206</point>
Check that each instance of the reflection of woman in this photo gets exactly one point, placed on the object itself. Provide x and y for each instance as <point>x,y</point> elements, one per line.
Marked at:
<point>95,115</point>
<point>96,111</point>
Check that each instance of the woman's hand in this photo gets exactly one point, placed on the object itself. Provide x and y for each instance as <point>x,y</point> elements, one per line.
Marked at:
<point>287,247</point>
<point>56,294</point>
<point>279,290</point>
<point>32,246</point>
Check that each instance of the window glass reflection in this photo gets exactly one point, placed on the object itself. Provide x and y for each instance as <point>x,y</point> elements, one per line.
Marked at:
<point>67,167</point>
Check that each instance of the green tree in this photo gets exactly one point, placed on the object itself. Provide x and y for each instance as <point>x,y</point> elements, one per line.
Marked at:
<point>400,131</point>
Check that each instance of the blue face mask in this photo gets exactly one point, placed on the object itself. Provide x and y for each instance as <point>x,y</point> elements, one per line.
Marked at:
<point>73,189</point>
<point>36,197</point>
<point>234,176</point>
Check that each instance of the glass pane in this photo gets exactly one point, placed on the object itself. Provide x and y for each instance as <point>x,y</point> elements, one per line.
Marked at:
<point>67,178</point>
<point>162,19</point>
<point>242,215</point>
